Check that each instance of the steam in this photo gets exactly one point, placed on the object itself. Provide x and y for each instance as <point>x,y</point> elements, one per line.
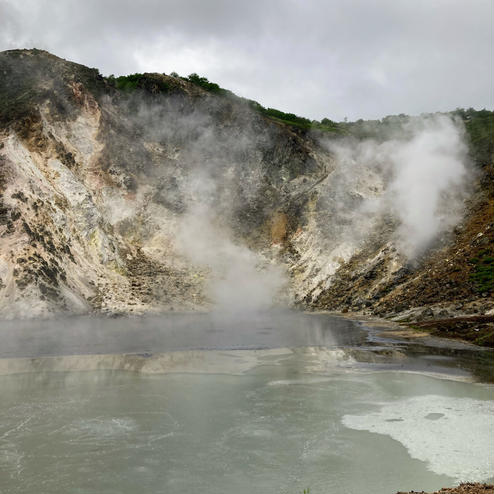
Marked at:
<point>211,172</point>
<point>209,165</point>
<point>428,187</point>
<point>240,280</point>
<point>418,178</point>
<point>413,183</point>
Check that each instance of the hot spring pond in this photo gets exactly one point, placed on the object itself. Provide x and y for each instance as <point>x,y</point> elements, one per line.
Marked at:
<point>317,403</point>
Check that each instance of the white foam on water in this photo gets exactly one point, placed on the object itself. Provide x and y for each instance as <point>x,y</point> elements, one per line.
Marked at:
<point>453,435</point>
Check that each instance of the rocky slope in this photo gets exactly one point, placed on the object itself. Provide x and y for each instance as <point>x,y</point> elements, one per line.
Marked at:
<point>172,197</point>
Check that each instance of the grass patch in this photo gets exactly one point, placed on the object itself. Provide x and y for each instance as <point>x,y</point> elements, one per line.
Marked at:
<point>483,273</point>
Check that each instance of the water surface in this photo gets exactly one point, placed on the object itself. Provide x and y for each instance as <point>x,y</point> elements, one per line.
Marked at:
<point>293,405</point>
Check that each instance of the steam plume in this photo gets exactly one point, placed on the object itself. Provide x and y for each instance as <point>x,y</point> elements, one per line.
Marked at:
<point>419,177</point>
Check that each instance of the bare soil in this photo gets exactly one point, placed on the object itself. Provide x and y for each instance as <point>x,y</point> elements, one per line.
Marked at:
<point>467,488</point>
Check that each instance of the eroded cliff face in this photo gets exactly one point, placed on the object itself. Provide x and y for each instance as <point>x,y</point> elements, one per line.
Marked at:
<point>171,198</point>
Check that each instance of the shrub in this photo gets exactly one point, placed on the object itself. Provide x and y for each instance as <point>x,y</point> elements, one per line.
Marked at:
<point>203,82</point>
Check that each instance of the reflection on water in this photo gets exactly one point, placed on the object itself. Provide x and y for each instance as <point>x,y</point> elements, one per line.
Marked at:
<point>93,335</point>
<point>282,426</point>
<point>274,403</point>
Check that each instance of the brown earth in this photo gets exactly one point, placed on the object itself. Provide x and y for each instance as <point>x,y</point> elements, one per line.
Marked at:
<point>467,488</point>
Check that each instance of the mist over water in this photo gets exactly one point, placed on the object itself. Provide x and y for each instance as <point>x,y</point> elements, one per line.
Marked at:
<point>216,330</point>
<point>275,401</point>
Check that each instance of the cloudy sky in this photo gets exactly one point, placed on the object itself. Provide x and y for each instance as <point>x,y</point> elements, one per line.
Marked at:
<point>316,58</point>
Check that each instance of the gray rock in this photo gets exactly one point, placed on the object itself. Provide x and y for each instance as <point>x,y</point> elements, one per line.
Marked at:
<point>427,313</point>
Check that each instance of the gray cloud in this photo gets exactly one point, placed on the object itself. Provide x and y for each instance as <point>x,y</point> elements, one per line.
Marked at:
<point>317,58</point>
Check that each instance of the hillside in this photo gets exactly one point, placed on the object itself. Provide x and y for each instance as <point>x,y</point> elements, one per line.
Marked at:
<point>153,192</point>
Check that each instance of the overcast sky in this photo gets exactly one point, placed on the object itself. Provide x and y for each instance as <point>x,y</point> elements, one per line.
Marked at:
<point>316,58</point>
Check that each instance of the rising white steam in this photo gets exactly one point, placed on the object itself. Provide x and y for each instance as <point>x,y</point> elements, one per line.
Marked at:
<point>240,280</point>
<point>211,165</point>
<point>420,179</point>
<point>427,186</point>
<point>413,183</point>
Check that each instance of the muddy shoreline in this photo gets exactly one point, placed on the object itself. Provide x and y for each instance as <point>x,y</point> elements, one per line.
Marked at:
<point>479,360</point>
<point>435,332</point>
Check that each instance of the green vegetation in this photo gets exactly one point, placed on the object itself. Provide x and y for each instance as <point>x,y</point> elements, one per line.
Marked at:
<point>479,126</point>
<point>128,82</point>
<point>152,82</point>
<point>132,82</point>
<point>203,82</point>
<point>483,272</point>
<point>289,118</point>
<point>293,120</point>
<point>379,130</point>
<point>280,116</point>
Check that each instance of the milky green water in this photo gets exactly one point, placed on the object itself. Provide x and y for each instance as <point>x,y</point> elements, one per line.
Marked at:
<point>291,422</point>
